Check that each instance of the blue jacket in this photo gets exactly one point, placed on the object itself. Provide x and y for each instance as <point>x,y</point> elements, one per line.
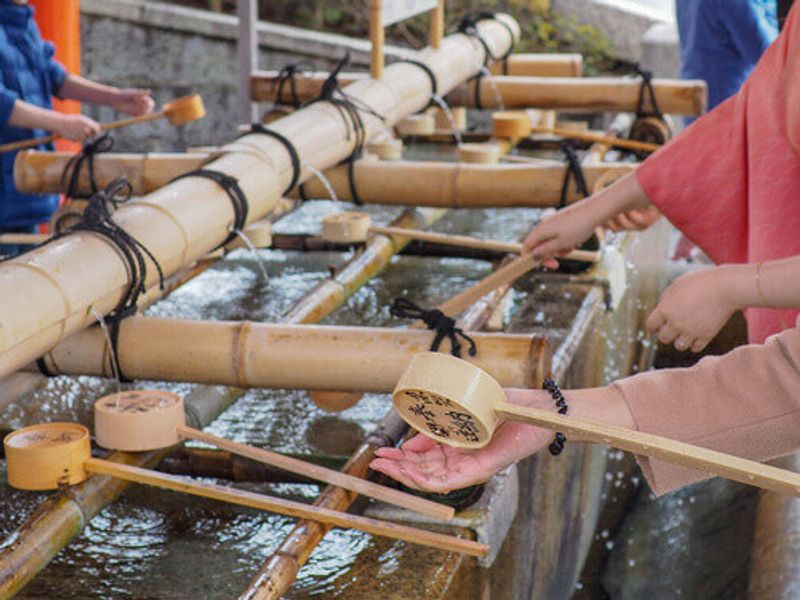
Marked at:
<point>722,40</point>
<point>27,72</point>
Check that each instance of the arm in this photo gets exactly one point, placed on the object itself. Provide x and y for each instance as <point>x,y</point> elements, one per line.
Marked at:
<point>745,403</point>
<point>131,101</point>
<point>697,305</point>
<point>71,127</point>
<point>570,227</point>
<point>791,83</point>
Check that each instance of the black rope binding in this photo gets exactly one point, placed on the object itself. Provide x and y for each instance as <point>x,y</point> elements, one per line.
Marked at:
<point>436,320</point>
<point>557,445</point>
<point>575,170</point>
<point>98,219</point>
<point>231,187</point>
<point>293,156</point>
<point>350,110</point>
<point>288,75</point>
<point>646,90</point>
<point>428,71</point>
<point>70,178</point>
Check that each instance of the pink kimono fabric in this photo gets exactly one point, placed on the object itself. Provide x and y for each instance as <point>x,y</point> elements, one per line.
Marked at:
<point>731,181</point>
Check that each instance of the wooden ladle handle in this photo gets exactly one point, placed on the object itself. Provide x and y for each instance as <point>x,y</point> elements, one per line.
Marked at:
<point>679,453</point>
<point>329,476</point>
<point>285,507</point>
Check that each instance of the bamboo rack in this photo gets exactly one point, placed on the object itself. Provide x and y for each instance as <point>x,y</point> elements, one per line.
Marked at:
<point>442,184</point>
<point>583,94</point>
<point>247,354</point>
<point>540,65</point>
<point>187,218</point>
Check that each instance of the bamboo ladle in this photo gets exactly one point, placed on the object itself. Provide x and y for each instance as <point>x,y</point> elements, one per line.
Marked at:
<point>179,112</point>
<point>49,456</point>
<point>460,405</point>
<point>140,420</point>
<point>517,125</point>
<point>353,227</point>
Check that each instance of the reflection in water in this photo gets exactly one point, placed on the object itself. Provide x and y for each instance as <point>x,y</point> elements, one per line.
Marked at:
<point>159,544</point>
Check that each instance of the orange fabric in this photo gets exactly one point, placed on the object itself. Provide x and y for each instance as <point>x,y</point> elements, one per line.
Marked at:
<point>731,181</point>
<point>59,22</point>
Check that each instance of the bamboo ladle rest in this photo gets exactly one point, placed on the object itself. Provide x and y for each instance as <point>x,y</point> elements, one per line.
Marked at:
<point>460,405</point>
<point>49,456</point>
<point>179,112</point>
<point>516,125</point>
<point>142,420</point>
<point>354,227</point>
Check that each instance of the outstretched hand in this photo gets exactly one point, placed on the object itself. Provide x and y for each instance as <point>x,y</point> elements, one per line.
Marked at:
<point>424,464</point>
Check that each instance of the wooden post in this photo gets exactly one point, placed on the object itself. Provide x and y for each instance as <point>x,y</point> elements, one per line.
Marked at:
<point>377,36</point>
<point>437,25</point>
<point>246,56</point>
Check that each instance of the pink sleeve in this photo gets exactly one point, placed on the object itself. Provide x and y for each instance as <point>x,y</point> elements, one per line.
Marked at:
<point>699,182</point>
<point>746,403</point>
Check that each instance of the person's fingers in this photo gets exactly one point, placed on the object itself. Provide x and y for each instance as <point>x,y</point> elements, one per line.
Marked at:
<point>683,343</point>
<point>613,225</point>
<point>642,220</point>
<point>667,333</point>
<point>655,320</point>
<point>419,443</point>
<point>698,345</point>
<point>430,482</point>
<point>625,222</point>
<point>536,238</point>
<point>550,263</point>
<point>390,452</point>
<point>547,250</point>
<point>394,470</point>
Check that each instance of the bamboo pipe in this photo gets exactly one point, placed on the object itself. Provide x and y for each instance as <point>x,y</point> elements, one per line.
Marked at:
<point>37,172</point>
<point>540,65</point>
<point>179,112</point>
<point>458,185</point>
<point>62,517</point>
<point>576,94</point>
<point>184,220</point>
<point>289,508</point>
<point>277,356</point>
<point>280,571</point>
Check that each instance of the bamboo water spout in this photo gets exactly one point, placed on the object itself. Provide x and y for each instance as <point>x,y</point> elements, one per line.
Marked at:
<point>187,218</point>
<point>277,356</point>
<point>587,94</point>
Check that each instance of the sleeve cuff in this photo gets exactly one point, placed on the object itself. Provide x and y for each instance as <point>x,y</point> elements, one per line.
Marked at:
<point>7,101</point>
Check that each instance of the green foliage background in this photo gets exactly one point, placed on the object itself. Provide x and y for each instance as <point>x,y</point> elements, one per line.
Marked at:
<point>543,30</point>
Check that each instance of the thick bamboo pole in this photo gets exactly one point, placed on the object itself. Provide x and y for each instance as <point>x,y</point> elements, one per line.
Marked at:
<point>53,290</point>
<point>587,94</point>
<point>37,172</point>
<point>280,571</point>
<point>62,517</point>
<point>246,354</point>
<point>540,65</point>
<point>458,185</point>
<point>428,183</point>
